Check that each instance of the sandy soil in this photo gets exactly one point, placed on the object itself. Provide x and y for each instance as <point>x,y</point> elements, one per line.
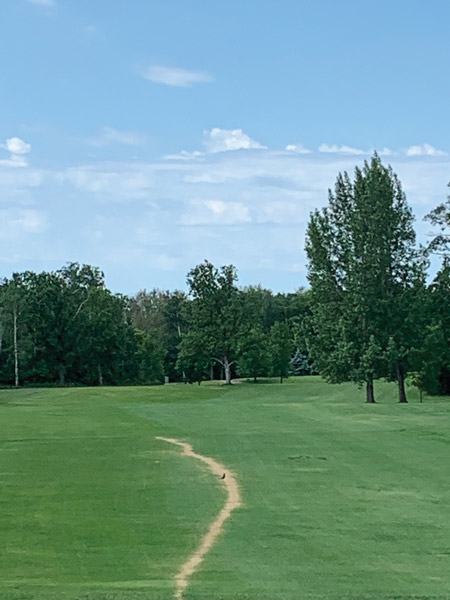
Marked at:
<point>233,501</point>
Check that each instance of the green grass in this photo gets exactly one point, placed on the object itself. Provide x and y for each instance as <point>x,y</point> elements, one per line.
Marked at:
<point>342,500</point>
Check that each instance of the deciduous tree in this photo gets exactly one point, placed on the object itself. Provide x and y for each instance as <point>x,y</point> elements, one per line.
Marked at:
<point>364,271</point>
<point>280,349</point>
<point>215,313</point>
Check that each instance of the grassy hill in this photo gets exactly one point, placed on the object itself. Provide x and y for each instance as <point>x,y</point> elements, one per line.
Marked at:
<point>340,499</point>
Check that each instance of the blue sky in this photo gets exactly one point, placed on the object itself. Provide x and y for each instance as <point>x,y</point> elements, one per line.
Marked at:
<point>145,136</point>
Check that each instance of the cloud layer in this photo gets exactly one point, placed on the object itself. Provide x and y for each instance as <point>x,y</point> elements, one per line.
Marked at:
<point>424,150</point>
<point>237,202</point>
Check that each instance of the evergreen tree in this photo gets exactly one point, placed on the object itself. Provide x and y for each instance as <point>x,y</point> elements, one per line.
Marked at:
<point>299,363</point>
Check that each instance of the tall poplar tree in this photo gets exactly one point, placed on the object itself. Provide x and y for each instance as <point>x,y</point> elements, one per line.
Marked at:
<point>365,275</point>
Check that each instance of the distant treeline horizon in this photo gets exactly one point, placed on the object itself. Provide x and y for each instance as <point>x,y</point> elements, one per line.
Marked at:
<point>65,327</point>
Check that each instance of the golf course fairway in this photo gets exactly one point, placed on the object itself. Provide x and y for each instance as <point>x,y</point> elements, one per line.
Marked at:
<point>338,499</point>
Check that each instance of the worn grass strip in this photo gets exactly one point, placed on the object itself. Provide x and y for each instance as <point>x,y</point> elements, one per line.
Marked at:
<point>233,502</point>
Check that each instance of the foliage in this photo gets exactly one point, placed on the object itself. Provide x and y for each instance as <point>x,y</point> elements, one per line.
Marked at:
<point>162,314</point>
<point>440,217</point>
<point>300,363</point>
<point>70,328</point>
<point>432,358</point>
<point>194,360</point>
<point>215,314</point>
<point>149,357</point>
<point>66,327</point>
<point>254,354</point>
<point>280,349</point>
<point>366,277</point>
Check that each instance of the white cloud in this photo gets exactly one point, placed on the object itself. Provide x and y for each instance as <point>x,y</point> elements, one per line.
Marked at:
<point>109,135</point>
<point>424,150</point>
<point>13,161</point>
<point>215,212</point>
<point>44,3</point>
<point>222,140</point>
<point>175,77</point>
<point>219,140</point>
<point>335,149</point>
<point>17,149</point>
<point>351,151</point>
<point>299,148</point>
<point>17,146</point>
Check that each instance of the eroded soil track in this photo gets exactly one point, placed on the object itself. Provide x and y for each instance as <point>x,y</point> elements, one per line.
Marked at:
<point>233,501</point>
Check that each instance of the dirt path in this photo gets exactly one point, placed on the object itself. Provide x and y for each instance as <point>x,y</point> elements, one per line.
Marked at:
<point>233,501</point>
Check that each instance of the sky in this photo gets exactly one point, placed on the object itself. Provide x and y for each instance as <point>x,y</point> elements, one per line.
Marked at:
<point>145,136</point>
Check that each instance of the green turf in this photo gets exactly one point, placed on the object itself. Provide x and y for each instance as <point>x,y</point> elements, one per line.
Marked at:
<point>342,500</point>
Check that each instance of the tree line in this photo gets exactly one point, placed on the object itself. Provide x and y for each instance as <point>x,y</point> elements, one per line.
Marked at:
<point>370,312</point>
<point>66,327</point>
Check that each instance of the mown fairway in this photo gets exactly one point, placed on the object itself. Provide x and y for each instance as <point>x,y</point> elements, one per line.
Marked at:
<point>341,499</point>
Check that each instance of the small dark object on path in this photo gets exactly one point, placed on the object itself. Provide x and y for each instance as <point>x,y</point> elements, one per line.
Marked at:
<point>223,476</point>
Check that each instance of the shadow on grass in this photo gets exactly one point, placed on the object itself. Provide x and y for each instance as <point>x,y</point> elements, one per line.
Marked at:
<point>260,380</point>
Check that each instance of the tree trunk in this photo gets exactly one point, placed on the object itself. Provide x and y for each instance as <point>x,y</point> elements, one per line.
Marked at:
<point>401,385</point>
<point>281,378</point>
<point>370,397</point>
<point>211,372</point>
<point>100,375</point>
<point>62,375</point>
<point>227,367</point>
<point>16,350</point>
